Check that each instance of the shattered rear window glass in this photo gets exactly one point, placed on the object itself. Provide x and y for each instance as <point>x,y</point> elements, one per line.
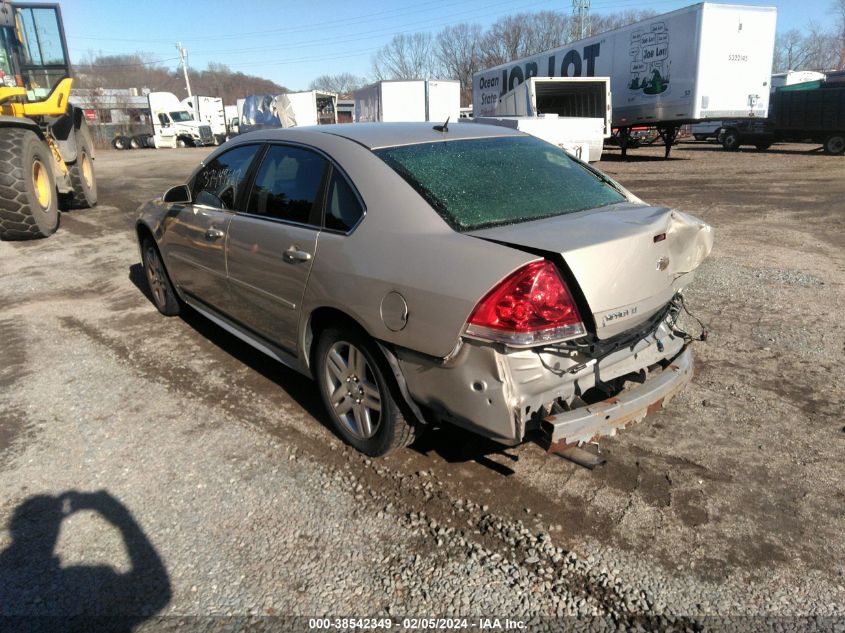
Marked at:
<point>479,183</point>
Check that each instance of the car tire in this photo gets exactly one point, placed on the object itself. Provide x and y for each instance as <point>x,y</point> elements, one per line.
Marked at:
<point>161,289</point>
<point>762,147</point>
<point>700,137</point>
<point>29,202</point>
<point>367,416</point>
<point>81,173</point>
<point>834,145</point>
<point>730,141</point>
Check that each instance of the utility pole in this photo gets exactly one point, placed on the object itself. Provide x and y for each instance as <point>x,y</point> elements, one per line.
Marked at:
<point>581,10</point>
<point>183,58</point>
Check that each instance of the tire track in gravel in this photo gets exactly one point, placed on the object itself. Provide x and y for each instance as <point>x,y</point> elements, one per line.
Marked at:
<point>13,342</point>
<point>427,506</point>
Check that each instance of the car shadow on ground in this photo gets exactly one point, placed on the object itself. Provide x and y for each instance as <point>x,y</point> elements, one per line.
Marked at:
<point>451,443</point>
<point>456,445</point>
<point>38,593</point>
<point>713,147</point>
<point>614,156</point>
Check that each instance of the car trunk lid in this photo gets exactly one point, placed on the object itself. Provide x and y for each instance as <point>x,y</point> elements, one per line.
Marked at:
<point>628,259</point>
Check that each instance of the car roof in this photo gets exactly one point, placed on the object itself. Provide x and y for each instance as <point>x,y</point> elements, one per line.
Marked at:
<point>376,135</point>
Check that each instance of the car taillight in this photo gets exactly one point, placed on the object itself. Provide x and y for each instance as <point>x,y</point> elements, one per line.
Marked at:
<point>529,306</point>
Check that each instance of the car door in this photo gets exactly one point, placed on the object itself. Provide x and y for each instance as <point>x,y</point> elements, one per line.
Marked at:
<point>273,242</point>
<point>195,246</point>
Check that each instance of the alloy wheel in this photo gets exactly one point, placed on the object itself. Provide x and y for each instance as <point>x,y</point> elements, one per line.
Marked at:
<point>353,390</point>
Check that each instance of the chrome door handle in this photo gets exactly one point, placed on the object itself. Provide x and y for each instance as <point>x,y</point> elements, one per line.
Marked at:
<point>214,234</point>
<point>293,255</point>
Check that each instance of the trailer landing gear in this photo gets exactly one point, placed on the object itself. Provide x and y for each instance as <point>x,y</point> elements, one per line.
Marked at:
<point>668,134</point>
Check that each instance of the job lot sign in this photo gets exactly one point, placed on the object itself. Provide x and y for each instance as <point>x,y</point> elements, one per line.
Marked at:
<point>649,63</point>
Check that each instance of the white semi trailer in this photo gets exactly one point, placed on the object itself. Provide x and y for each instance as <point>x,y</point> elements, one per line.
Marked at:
<point>413,100</point>
<point>705,61</point>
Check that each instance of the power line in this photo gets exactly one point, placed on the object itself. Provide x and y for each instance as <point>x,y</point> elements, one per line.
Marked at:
<point>417,27</point>
<point>368,17</point>
<point>147,63</point>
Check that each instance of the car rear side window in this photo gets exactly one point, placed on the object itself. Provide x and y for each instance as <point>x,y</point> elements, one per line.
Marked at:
<point>479,183</point>
<point>219,183</point>
<point>287,184</point>
<point>342,207</point>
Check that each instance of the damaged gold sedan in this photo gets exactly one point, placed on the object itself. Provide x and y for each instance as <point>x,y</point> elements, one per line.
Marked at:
<point>470,275</point>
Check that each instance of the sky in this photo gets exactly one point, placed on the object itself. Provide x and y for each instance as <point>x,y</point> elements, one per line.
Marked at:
<point>292,43</point>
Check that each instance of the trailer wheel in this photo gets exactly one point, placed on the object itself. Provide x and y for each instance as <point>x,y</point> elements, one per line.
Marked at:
<point>81,173</point>
<point>834,144</point>
<point>29,202</point>
<point>730,141</point>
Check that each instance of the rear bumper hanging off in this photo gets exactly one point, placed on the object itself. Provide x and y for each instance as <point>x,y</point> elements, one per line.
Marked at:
<point>602,419</point>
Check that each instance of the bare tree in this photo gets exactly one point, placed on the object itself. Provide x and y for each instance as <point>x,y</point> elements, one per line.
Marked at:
<point>457,49</point>
<point>405,57</point>
<point>610,21</point>
<point>342,84</point>
<point>141,70</point>
<point>548,30</point>
<point>506,39</point>
<point>822,46</point>
<point>838,10</point>
<point>525,34</point>
<point>790,51</point>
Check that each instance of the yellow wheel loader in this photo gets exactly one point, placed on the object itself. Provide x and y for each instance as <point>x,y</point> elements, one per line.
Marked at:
<point>46,150</point>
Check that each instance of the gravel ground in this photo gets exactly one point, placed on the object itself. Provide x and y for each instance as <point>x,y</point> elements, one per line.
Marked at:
<point>156,468</point>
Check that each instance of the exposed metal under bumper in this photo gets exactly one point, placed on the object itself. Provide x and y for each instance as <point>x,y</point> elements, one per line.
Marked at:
<point>591,422</point>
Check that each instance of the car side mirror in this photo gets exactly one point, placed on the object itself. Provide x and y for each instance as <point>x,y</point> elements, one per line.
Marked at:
<point>180,194</point>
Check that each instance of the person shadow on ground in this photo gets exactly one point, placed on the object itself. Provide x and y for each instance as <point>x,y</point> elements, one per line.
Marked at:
<point>37,594</point>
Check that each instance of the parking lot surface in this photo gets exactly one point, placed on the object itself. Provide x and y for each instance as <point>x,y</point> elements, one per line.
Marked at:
<point>170,463</point>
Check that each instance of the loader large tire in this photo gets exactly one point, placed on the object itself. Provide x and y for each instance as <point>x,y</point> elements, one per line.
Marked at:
<point>29,205</point>
<point>82,173</point>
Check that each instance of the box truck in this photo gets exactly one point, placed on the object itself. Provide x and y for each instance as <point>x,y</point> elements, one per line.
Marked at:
<point>173,125</point>
<point>552,129</point>
<point>813,111</point>
<point>568,111</point>
<point>413,100</point>
<point>705,61</point>
<point>715,129</point>
<point>208,110</point>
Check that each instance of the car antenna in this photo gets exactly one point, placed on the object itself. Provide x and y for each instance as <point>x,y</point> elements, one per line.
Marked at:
<point>444,127</point>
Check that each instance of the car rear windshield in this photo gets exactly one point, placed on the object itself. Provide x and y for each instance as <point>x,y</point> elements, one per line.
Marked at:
<point>479,183</point>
